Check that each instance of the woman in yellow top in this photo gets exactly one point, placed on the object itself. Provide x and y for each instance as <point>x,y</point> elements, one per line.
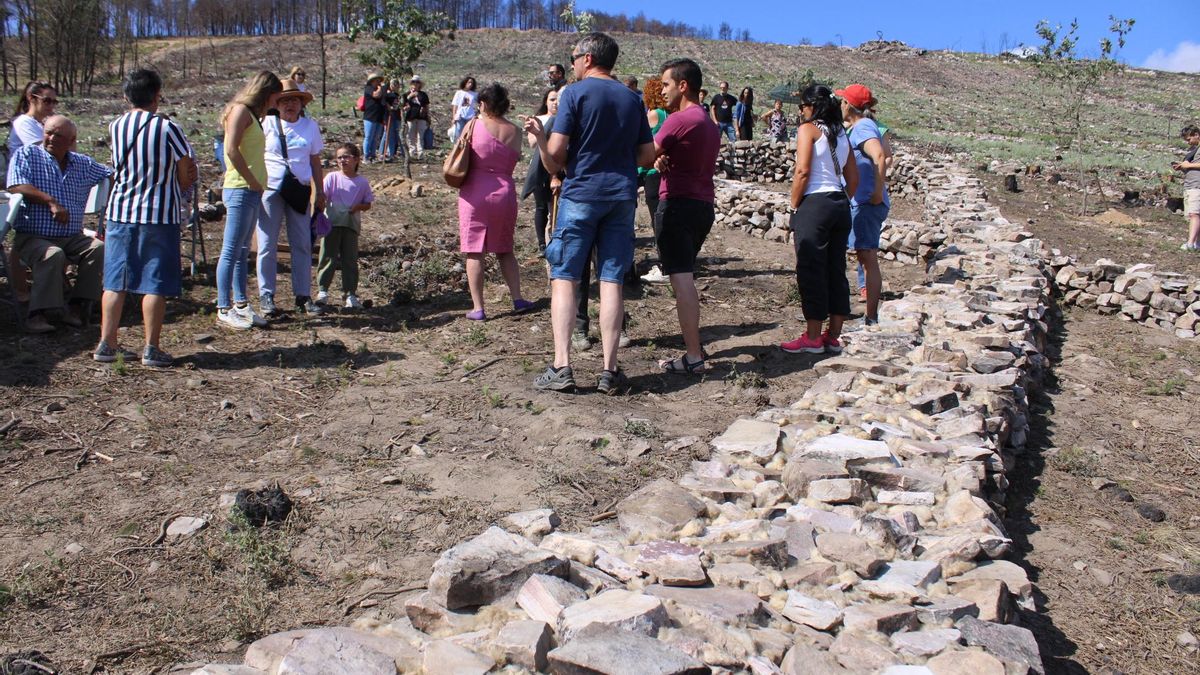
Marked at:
<point>245,178</point>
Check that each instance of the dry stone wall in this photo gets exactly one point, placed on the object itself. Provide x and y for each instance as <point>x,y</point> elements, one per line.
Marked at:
<point>859,530</point>
<point>774,162</point>
<point>1137,293</point>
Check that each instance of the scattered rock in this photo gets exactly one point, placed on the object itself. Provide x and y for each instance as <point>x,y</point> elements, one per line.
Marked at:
<point>658,510</point>
<point>1150,512</point>
<point>626,610</point>
<point>444,657</point>
<point>1184,583</point>
<point>524,644</point>
<point>611,651</point>
<point>184,527</point>
<point>544,597</point>
<point>488,567</point>
<point>672,563</point>
<point>1011,643</point>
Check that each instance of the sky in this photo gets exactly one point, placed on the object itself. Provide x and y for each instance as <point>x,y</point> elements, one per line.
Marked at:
<point>1166,33</point>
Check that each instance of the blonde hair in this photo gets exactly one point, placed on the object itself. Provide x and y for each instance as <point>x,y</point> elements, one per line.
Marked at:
<point>255,94</point>
<point>296,70</point>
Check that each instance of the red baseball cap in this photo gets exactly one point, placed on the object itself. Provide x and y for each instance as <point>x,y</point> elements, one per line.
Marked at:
<point>857,95</point>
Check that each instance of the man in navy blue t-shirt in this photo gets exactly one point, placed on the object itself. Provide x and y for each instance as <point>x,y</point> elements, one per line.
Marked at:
<point>601,137</point>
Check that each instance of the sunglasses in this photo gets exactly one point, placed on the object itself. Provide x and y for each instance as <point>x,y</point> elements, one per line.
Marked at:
<point>576,56</point>
<point>47,100</point>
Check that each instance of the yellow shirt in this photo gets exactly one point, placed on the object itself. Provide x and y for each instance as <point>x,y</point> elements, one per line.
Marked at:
<point>253,148</point>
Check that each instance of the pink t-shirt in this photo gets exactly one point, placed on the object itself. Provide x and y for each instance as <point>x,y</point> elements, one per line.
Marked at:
<point>691,142</point>
<point>345,192</point>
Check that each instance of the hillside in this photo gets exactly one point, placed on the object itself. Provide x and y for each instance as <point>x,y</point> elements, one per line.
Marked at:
<point>989,107</point>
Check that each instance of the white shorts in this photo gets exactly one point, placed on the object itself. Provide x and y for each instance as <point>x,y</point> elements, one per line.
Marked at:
<point>1191,202</point>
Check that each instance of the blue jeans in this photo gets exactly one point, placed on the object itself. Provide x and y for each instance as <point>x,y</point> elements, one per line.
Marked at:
<point>605,226</point>
<point>372,132</point>
<point>299,235</point>
<point>241,214</point>
<point>393,138</point>
<point>727,129</point>
<point>459,125</point>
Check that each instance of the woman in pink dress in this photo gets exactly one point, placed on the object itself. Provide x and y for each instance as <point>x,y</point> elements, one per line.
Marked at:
<point>487,200</point>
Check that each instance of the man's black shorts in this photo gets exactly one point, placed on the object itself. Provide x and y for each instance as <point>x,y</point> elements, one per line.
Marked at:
<point>680,228</point>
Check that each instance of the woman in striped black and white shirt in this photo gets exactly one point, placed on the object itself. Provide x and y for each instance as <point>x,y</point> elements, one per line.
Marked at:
<point>141,247</point>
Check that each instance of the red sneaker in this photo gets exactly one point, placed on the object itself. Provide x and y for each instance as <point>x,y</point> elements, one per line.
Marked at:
<point>832,345</point>
<point>804,344</point>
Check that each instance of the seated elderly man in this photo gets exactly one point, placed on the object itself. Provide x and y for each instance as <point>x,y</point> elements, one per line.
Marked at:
<point>55,183</point>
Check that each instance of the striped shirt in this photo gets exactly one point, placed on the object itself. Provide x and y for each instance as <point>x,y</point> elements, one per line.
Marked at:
<point>145,190</point>
<point>32,165</point>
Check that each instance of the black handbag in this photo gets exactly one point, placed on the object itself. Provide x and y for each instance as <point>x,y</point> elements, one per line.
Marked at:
<point>295,194</point>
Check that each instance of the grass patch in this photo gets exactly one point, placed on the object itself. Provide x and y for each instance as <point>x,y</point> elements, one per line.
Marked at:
<point>494,399</point>
<point>641,428</point>
<point>744,379</point>
<point>1172,386</point>
<point>476,337</point>
<point>1076,461</point>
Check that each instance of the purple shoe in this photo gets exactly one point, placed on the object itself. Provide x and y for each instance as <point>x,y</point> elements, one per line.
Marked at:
<point>522,306</point>
<point>476,315</point>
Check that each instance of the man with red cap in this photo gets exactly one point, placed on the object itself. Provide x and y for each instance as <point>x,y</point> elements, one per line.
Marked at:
<point>870,204</point>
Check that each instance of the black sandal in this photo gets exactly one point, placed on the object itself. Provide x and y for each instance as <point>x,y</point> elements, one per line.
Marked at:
<point>681,366</point>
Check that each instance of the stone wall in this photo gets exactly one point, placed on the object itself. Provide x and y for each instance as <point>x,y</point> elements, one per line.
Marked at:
<point>773,162</point>
<point>859,529</point>
<point>764,213</point>
<point>1138,293</point>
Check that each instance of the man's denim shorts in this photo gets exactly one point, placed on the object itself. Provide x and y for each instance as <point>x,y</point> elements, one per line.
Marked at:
<point>866,222</point>
<point>142,259</point>
<point>605,226</point>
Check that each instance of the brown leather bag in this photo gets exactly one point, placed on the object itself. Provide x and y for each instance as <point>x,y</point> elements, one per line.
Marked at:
<point>458,162</point>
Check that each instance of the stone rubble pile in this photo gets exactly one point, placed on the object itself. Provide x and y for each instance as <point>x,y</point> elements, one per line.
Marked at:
<point>1138,293</point>
<point>858,530</point>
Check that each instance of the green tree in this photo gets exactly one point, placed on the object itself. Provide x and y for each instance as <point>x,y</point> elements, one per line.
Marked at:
<point>580,21</point>
<point>402,32</point>
<point>1069,81</point>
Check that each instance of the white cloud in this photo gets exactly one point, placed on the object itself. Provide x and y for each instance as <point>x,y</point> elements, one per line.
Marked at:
<point>1184,59</point>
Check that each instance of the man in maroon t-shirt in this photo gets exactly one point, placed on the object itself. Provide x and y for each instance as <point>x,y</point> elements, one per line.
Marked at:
<point>686,147</point>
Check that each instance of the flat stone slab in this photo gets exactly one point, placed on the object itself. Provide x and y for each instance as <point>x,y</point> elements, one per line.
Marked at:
<point>839,491</point>
<point>1011,643</point>
<point>885,618</point>
<point>905,498</point>
<point>672,563</point>
<point>811,612</point>
<point>185,526</point>
<point>918,573</point>
<point>362,649</point>
<point>925,643</point>
<point>840,448</point>
<point>769,552</point>
<point>524,643</point>
<point>323,652</point>
<point>619,652</point>
<point>658,510</point>
<point>714,605</point>
<point>488,567</point>
<point>532,524</point>
<point>627,610</point>
<point>544,597</point>
<point>851,550</point>
<point>444,657</point>
<point>746,436</point>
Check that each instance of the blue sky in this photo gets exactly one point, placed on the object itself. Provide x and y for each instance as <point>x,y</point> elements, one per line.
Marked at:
<point>1166,34</point>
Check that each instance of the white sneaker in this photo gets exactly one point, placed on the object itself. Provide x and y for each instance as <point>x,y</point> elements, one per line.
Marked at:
<point>250,315</point>
<point>322,296</point>
<point>655,276</point>
<point>230,318</point>
<point>352,302</point>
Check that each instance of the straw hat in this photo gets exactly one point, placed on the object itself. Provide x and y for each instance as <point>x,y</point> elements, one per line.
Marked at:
<point>374,76</point>
<point>290,89</point>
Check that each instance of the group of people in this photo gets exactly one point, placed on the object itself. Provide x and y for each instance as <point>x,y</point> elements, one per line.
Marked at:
<point>386,107</point>
<point>597,139</point>
<point>152,167</point>
<point>595,142</point>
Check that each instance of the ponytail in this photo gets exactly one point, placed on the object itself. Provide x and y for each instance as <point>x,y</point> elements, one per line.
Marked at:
<point>827,112</point>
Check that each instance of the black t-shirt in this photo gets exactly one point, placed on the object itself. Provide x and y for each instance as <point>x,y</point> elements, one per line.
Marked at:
<point>723,104</point>
<point>374,110</point>
<point>418,105</point>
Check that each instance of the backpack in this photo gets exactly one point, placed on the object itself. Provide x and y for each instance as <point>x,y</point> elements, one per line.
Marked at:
<point>361,105</point>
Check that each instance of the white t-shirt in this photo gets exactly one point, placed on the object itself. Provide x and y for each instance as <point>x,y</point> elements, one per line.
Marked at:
<point>823,176</point>
<point>464,104</point>
<point>303,141</point>
<point>25,131</point>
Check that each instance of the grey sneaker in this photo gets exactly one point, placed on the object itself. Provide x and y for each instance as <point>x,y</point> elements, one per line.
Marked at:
<point>612,382</point>
<point>266,304</point>
<point>580,341</point>
<point>562,379</point>
<point>156,358</point>
<point>307,306</point>
<point>106,354</point>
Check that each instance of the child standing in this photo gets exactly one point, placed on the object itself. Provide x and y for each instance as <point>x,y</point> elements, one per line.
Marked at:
<point>348,194</point>
<point>1190,166</point>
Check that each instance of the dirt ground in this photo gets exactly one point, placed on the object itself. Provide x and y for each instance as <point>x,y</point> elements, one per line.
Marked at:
<point>398,430</point>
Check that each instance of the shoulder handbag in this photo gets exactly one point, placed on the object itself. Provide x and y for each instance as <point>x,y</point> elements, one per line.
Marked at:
<point>458,162</point>
<point>125,158</point>
<point>295,194</point>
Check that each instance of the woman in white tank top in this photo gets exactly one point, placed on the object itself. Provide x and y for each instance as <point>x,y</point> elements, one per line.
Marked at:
<point>821,223</point>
